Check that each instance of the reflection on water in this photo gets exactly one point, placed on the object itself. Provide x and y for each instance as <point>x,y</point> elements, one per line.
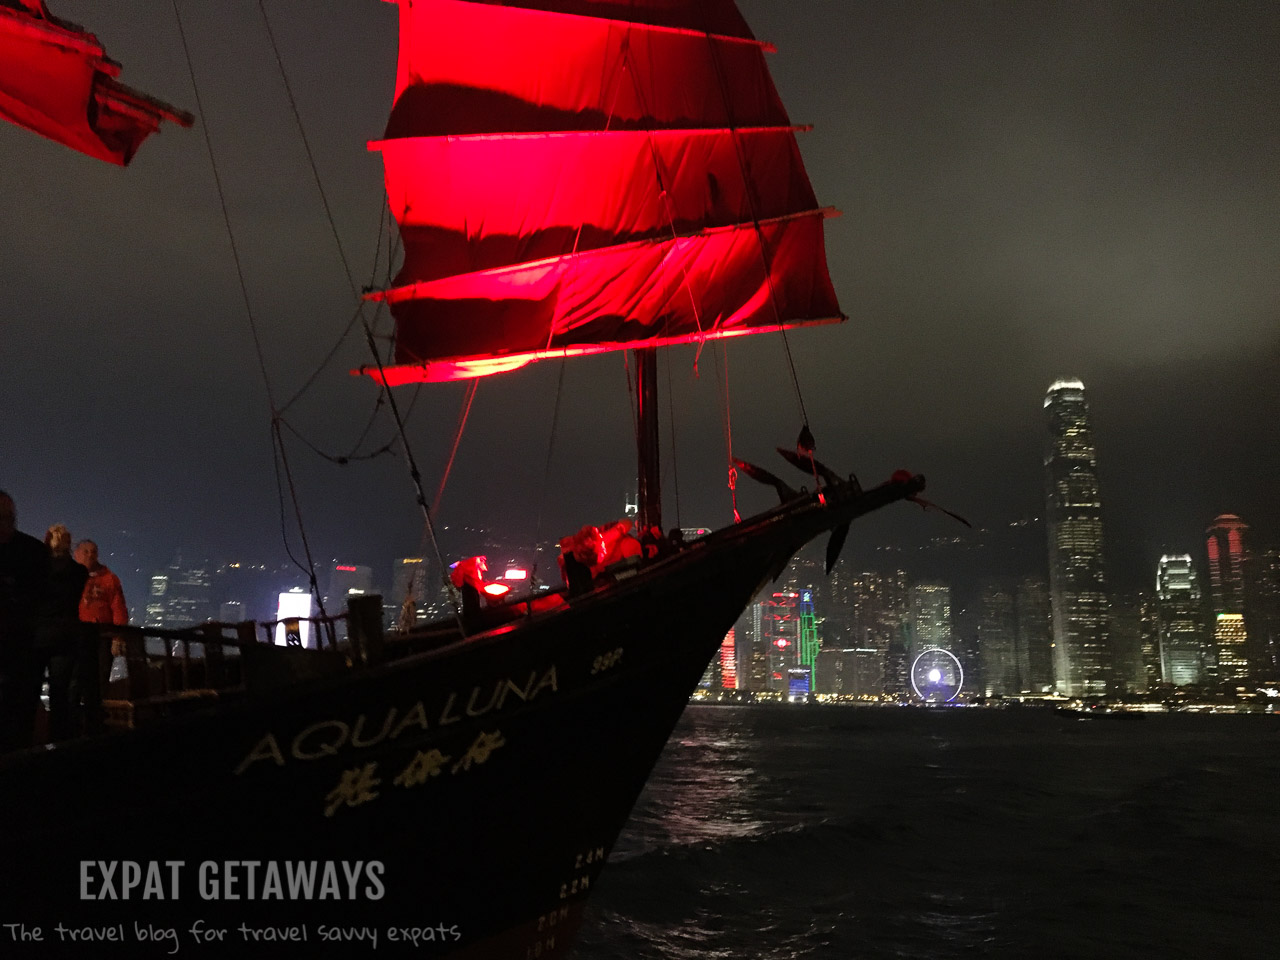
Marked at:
<point>824,832</point>
<point>706,791</point>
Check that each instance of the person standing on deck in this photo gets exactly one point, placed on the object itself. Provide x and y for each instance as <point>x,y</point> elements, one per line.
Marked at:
<point>101,603</point>
<point>24,571</point>
<point>468,578</point>
<point>58,631</point>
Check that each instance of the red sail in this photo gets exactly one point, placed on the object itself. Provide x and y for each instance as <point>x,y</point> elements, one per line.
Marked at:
<point>56,79</point>
<point>577,176</point>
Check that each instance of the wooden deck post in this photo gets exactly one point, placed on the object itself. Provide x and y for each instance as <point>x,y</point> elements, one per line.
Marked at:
<point>215,668</point>
<point>364,627</point>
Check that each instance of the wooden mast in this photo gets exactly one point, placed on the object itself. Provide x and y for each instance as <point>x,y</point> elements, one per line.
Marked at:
<point>647,439</point>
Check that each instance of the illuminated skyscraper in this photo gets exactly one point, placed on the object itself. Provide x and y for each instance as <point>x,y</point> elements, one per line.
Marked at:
<point>728,672</point>
<point>753,650</point>
<point>1228,557</point>
<point>1077,584</point>
<point>879,609</point>
<point>930,617</point>
<point>346,580</point>
<point>1181,621</point>
<point>869,611</point>
<point>181,595</point>
<point>1130,624</point>
<point>781,635</point>
<point>1226,548</point>
<point>997,639</point>
<point>1035,635</point>
<point>155,615</point>
<point>1268,613</point>
<point>1230,638</point>
<point>850,672</point>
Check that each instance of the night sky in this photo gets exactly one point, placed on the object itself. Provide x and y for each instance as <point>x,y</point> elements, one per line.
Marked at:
<point>1030,191</point>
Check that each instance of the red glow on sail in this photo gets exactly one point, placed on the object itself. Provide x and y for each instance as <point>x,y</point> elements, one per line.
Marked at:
<point>577,176</point>
<point>56,80</point>
<point>443,371</point>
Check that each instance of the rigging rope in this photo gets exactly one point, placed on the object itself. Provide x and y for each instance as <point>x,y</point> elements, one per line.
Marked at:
<point>278,440</point>
<point>353,454</point>
<point>631,396</point>
<point>755,216</point>
<point>666,199</point>
<point>325,362</point>
<point>726,411</point>
<point>393,240</point>
<point>306,144</point>
<point>346,331</point>
<point>546,471</point>
<point>671,412</point>
<point>414,473</point>
<point>457,439</point>
<point>284,528</point>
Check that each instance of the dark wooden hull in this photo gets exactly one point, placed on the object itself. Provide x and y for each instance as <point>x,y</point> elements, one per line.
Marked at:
<point>490,778</point>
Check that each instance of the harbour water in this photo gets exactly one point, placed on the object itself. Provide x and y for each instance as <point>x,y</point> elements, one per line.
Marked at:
<point>929,834</point>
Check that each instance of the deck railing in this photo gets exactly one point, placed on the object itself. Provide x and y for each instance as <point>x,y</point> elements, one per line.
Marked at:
<point>168,671</point>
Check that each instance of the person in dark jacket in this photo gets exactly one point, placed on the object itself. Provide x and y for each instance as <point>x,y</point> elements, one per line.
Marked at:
<point>58,630</point>
<point>24,571</point>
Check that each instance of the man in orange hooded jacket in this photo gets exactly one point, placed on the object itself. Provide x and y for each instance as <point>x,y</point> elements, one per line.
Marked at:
<point>102,602</point>
<point>103,598</point>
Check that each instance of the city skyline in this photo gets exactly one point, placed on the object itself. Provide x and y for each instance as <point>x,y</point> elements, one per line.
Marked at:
<point>949,560</point>
<point>864,629</point>
<point>1017,635</point>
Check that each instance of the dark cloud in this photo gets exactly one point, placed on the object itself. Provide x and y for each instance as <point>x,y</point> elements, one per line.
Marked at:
<point>1030,191</point>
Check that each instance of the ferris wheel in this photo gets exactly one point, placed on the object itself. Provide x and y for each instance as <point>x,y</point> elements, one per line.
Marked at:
<point>936,675</point>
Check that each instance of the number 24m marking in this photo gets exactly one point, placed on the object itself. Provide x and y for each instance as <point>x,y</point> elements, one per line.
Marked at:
<point>606,660</point>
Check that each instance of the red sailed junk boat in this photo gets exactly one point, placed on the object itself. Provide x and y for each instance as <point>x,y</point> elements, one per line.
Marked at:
<point>57,80</point>
<point>570,177</point>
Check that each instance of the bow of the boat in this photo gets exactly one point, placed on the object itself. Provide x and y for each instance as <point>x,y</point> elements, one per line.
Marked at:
<point>804,516</point>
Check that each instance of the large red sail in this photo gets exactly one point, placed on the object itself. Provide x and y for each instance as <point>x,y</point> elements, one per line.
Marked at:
<point>56,79</point>
<point>577,176</point>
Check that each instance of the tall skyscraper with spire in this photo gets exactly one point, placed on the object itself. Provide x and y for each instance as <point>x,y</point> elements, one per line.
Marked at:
<point>1077,583</point>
